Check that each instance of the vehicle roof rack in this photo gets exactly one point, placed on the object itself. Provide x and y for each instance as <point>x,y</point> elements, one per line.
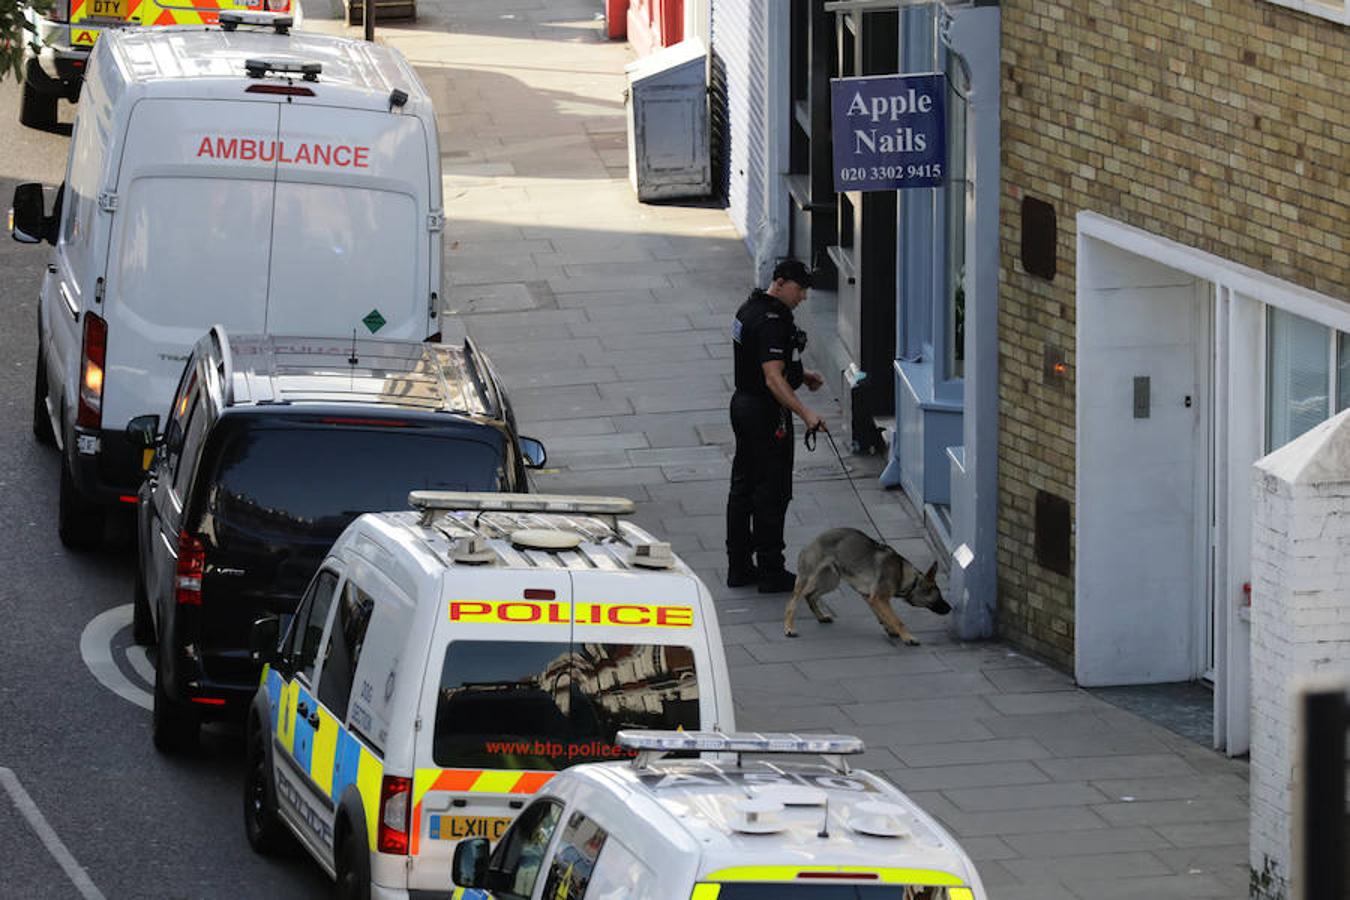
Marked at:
<point>225,366</point>
<point>487,387</point>
<point>655,745</point>
<point>258,68</point>
<point>232,19</point>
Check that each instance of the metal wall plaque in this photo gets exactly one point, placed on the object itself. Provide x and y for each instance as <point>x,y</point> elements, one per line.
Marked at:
<point>1141,396</point>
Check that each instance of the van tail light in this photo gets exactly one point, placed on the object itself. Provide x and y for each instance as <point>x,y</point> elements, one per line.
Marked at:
<point>89,413</point>
<point>395,798</point>
<point>187,576</point>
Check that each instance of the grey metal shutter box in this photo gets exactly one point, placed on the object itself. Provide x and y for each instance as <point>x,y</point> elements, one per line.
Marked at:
<point>668,153</point>
<point>740,60</point>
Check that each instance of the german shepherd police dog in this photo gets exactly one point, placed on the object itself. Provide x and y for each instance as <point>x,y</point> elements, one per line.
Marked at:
<point>872,569</point>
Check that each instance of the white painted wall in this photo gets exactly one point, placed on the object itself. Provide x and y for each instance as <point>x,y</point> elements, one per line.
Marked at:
<point>1300,555</point>
<point>1140,578</point>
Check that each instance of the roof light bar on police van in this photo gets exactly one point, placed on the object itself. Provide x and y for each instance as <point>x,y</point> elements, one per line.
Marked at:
<point>258,68</point>
<point>654,745</point>
<point>232,19</point>
<point>432,502</point>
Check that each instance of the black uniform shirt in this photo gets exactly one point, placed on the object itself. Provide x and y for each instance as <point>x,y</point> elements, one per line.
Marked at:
<point>761,332</point>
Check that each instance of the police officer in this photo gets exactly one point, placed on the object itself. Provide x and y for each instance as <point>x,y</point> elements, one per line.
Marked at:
<point>765,346</point>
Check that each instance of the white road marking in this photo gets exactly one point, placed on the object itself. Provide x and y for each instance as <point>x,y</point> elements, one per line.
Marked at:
<point>74,871</point>
<point>96,650</point>
<point>139,657</point>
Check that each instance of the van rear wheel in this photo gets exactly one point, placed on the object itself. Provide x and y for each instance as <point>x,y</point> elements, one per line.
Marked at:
<point>353,867</point>
<point>79,522</point>
<point>175,729</point>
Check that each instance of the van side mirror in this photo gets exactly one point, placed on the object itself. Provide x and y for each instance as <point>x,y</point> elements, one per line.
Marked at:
<point>28,222</point>
<point>263,638</point>
<point>143,431</point>
<point>470,865</point>
<point>533,451</point>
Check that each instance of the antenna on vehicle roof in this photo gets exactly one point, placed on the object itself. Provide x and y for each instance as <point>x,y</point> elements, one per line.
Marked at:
<point>353,360</point>
<point>824,831</point>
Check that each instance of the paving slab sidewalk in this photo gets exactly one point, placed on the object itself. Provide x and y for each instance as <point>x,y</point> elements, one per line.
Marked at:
<point>608,320</point>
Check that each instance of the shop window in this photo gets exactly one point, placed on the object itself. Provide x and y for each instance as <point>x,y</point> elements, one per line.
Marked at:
<point>1298,376</point>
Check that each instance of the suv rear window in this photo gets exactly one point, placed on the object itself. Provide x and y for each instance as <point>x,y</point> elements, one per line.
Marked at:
<point>537,705</point>
<point>329,475</point>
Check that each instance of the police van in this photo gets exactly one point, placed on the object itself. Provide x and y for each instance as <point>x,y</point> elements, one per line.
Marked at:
<point>720,829</point>
<point>268,181</point>
<point>446,663</point>
<point>64,31</point>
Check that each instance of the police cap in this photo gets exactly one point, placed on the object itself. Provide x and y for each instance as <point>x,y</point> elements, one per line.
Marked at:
<point>793,270</point>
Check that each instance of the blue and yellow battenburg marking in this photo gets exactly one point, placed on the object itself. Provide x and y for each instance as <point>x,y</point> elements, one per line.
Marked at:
<point>335,758</point>
<point>332,755</point>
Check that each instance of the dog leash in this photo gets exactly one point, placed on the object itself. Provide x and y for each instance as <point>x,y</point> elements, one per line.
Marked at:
<point>809,440</point>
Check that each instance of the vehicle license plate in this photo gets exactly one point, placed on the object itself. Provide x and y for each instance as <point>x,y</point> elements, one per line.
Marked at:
<point>109,9</point>
<point>454,828</point>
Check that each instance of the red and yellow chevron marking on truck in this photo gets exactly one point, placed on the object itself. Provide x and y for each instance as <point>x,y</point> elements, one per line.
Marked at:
<point>492,781</point>
<point>88,17</point>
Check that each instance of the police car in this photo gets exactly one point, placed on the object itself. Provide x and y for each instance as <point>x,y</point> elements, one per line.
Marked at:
<point>270,181</point>
<point>446,663</point>
<point>720,829</point>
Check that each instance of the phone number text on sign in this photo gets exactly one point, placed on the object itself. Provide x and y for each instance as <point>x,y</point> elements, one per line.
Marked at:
<point>890,173</point>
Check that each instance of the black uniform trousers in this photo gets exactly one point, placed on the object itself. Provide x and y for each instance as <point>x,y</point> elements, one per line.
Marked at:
<point>761,481</point>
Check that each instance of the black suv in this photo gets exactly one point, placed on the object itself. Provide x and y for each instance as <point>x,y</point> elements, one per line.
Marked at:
<point>271,447</point>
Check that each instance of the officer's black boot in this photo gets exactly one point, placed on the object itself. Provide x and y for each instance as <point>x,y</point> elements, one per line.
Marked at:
<point>779,582</point>
<point>741,574</point>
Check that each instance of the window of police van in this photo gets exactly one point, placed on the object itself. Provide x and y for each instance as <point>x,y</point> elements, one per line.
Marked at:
<point>549,705</point>
<point>307,629</point>
<point>520,856</point>
<point>344,649</point>
<point>569,874</point>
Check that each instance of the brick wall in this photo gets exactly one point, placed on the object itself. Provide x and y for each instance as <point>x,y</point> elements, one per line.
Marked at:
<point>1222,125</point>
<point>1300,621</point>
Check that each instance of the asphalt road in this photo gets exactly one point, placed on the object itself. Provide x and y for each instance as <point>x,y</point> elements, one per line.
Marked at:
<point>138,824</point>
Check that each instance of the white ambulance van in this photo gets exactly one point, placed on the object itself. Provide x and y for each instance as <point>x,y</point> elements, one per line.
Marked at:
<point>446,664</point>
<point>244,175</point>
<point>759,828</point>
